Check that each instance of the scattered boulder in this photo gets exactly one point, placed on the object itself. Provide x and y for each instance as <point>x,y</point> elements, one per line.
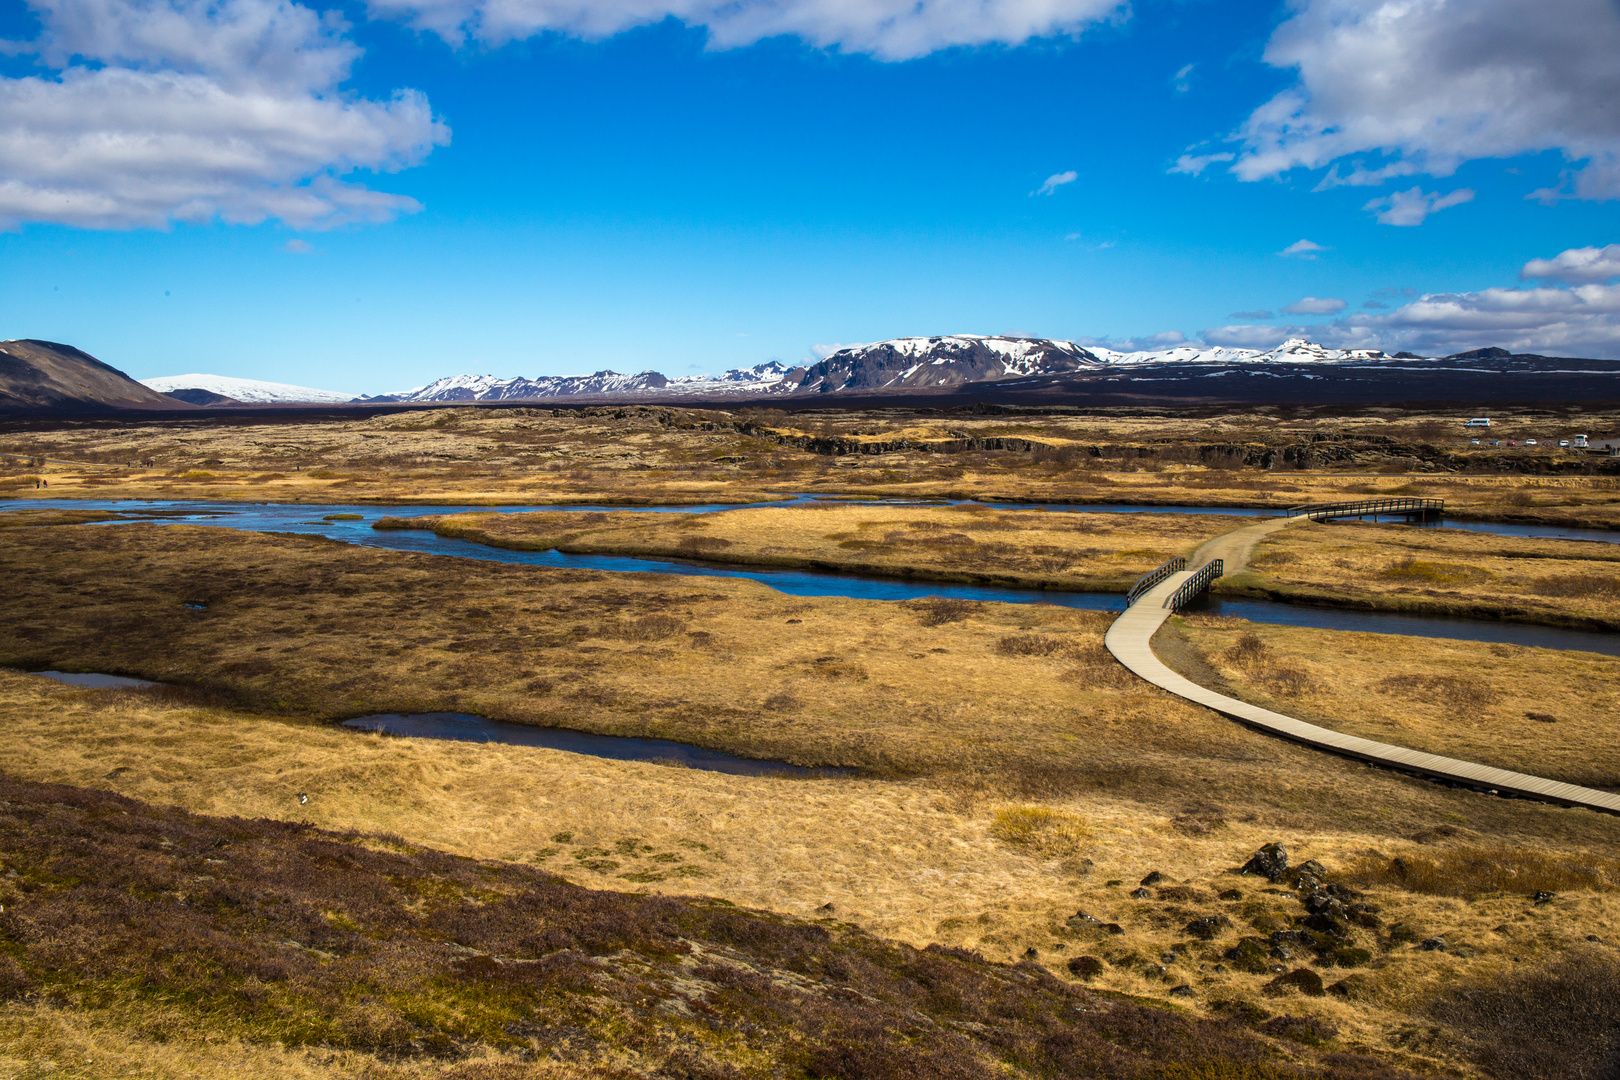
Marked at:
<point>1183,991</point>
<point>1153,878</point>
<point>1434,944</point>
<point>1207,928</point>
<point>1078,919</point>
<point>1269,862</point>
<point>1032,953</point>
<point>1542,897</point>
<point>1140,894</point>
<point>1323,923</point>
<point>1232,894</point>
<point>1113,928</point>
<point>1312,867</point>
<point>1303,980</point>
<point>1086,967</point>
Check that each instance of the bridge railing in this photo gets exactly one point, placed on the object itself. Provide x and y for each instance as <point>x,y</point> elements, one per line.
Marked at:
<point>1153,577</point>
<point>1195,584</point>
<point>1370,508</point>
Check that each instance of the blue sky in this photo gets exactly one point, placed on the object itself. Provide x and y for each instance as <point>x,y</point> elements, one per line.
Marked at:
<point>242,188</point>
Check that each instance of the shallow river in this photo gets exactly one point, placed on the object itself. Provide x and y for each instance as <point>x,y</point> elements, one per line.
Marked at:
<point>354,526</point>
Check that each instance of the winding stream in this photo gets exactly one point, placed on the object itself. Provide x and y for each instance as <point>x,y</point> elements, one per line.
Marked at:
<point>354,523</point>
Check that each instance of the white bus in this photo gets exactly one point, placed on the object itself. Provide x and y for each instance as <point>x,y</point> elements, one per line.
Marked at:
<point>1479,421</point>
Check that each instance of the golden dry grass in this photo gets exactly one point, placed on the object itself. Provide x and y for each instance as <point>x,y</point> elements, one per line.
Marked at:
<point>1572,582</point>
<point>1041,781</point>
<point>973,543</point>
<point>642,454</point>
<point>1547,712</point>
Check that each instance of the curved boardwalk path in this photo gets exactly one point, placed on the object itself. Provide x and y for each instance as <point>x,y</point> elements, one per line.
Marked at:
<point>1129,637</point>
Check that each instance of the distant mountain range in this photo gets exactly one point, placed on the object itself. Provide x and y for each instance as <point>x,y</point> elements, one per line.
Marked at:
<point>38,376</point>
<point>764,377</point>
<point>964,360</point>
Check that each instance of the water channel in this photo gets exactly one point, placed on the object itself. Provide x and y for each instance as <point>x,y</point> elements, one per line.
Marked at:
<point>352,523</point>
<point>463,727</point>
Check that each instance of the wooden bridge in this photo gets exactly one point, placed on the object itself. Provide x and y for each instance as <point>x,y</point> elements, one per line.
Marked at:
<point>1420,509</point>
<point>1129,640</point>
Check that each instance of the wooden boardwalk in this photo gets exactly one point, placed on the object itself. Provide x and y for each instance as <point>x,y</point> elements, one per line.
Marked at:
<point>1129,640</point>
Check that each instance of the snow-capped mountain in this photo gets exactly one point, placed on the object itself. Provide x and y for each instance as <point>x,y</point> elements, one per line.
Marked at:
<point>1292,351</point>
<point>601,384</point>
<point>254,391</point>
<point>905,363</point>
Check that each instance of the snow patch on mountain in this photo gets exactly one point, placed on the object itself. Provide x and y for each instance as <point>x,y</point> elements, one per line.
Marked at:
<point>252,391</point>
<point>1292,351</point>
<point>601,384</point>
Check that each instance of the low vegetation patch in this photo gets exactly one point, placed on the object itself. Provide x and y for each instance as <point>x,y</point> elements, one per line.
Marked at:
<point>1435,573</point>
<point>1473,872</point>
<point>193,928</point>
<point>1554,1022</point>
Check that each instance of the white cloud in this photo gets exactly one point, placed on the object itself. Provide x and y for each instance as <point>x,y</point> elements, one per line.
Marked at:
<point>178,110</point>
<point>1313,305</point>
<point>821,352</point>
<point>1260,314</point>
<point>1169,339</point>
<point>1055,181</point>
<point>1195,164</point>
<point>886,29</point>
<point>1361,176</point>
<point>1252,337</point>
<point>1301,249</point>
<point>1434,83</point>
<point>1412,206</point>
<point>1181,80</point>
<point>1582,320</point>
<point>1576,266</point>
<point>297,247</point>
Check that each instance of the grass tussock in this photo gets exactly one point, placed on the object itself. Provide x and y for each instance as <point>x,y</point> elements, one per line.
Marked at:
<point>1473,872</point>
<point>1041,829</point>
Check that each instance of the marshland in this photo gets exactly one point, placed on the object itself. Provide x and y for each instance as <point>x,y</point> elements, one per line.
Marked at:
<point>1030,867</point>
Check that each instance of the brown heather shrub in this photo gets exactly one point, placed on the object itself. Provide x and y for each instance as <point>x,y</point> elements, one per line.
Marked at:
<point>703,543</point>
<point>1453,691</point>
<point>1250,649</point>
<point>1288,680</point>
<point>1028,645</point>
<point>651,628</point>
<point>1578,587</point>
<point>939,610</point>
<point>1471,872</point>
<point>1559,1021</point>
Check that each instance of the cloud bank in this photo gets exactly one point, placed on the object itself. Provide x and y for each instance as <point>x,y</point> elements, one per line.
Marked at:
<point>1425,85</point>
<point>156,111</point>
<point>886,29</point>
<point>1580,320</point>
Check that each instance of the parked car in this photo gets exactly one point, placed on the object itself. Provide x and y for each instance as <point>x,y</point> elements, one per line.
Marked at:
<point>1563,442</point>
<point>1530,442</point>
